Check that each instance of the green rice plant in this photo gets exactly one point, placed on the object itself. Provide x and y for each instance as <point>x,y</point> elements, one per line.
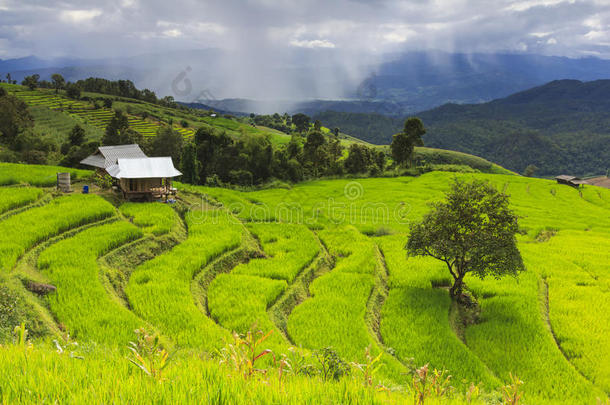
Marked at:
<point>159,290</point>
<point>335,314</point>
<point>36,175</point>
<point>240,302</point>
<point>81,302</point>
<point>289,249</point>
<point>575,282</point>
<point>104,376</point>
<point>13,197</point>
<point>155,218</point>
<point>415,321</point>
<point>513,338</point>
<point>22,231</point>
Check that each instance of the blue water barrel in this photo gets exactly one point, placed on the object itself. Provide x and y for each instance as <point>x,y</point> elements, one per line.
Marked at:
<point>85,189</point>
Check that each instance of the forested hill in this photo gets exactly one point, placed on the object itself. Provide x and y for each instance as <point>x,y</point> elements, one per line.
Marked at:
<point>561,127</point>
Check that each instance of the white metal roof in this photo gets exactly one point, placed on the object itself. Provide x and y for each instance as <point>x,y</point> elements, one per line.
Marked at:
<point>143,168</point>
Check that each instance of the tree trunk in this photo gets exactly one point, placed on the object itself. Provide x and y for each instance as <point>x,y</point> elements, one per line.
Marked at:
<point>456,290</point>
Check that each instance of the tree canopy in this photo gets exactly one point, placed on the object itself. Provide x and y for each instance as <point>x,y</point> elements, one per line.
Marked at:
<point>472,231</point>
<point>404,143</point>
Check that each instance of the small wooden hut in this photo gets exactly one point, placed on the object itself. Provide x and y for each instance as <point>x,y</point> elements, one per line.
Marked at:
<point>570,180</point>
<point>138,176</point>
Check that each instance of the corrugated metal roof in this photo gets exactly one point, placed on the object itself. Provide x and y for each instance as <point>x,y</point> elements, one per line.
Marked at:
<point>114,153</point>
<point>94,160</point>
<point>107,156</point>
<point>144,168</point>
<point>566,177</point>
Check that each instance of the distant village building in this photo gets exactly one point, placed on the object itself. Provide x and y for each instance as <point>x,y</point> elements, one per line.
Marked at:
<point>570,180</point>
<point>137,175</point>
<point>601,181</point>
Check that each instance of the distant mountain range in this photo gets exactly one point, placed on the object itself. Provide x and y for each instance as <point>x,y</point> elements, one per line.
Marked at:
<point>561,127</point>
<point>398,85</point>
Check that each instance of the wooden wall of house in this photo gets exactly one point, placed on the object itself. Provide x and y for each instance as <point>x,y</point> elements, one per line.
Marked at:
<point>140,185</point>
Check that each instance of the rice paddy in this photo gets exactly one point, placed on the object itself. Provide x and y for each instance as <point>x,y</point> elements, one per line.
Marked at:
<point>82,303</point>
<point>36,175</point>
<point>87,114</point>
<point>155,218</point>
<point>21,231</point>
<point>13,197</point>
<point>549,327</point>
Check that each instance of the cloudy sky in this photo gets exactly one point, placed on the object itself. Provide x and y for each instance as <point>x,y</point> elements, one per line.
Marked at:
<point>94,29</point>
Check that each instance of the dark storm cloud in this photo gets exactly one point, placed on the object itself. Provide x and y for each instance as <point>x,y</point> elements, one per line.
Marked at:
<point>124,27</point>
<point>342,38</point>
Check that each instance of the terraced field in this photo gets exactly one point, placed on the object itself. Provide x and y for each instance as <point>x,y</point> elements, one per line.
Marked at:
<point>86,113</point>
<point>320,265</point>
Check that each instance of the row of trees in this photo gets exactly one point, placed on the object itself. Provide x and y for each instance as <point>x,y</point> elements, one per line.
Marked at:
<point>212,156</point>
<point>119,88</point>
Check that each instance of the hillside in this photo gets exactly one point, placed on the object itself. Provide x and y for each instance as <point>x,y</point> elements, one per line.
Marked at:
<point>222,260</point>
<point>397,85</point>
<point>561,127</point>
<point>239,150</point>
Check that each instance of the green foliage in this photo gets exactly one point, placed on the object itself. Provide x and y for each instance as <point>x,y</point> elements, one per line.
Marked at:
<point>72,91</point>
<point>245,352</point>
<point>301,122</point>
<point>77,135</point>
<point>331,366</point>
<point>14,119</point>
<point>58,82</point>
<point>473,230</point>
<point>410,317</point>
<point>335,314</point>
<point>156,218</point>
<point>548,328</point>
<point>404,143</point>
<point>31,81</point>
<point>190,166</point>
<point>168,143</point>
<point>148,355</point>
<point>11,312</point>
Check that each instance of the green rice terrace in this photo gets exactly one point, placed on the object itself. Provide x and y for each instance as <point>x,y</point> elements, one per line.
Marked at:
<point>303,294</point>
<point>55,113</point>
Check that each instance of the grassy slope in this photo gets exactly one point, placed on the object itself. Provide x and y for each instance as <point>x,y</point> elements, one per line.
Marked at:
<point>54,118</point>
<point>557,363</point>
<point>512,312</point>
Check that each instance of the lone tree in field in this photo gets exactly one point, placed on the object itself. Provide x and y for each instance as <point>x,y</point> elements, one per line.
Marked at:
<point>58,82</point>
<point>404,143</point>
<point>472,231</point>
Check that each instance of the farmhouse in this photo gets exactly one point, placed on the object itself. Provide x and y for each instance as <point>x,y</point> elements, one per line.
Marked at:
<point>601,181</point>
<point>570,180</point>
<point>137,175</point>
